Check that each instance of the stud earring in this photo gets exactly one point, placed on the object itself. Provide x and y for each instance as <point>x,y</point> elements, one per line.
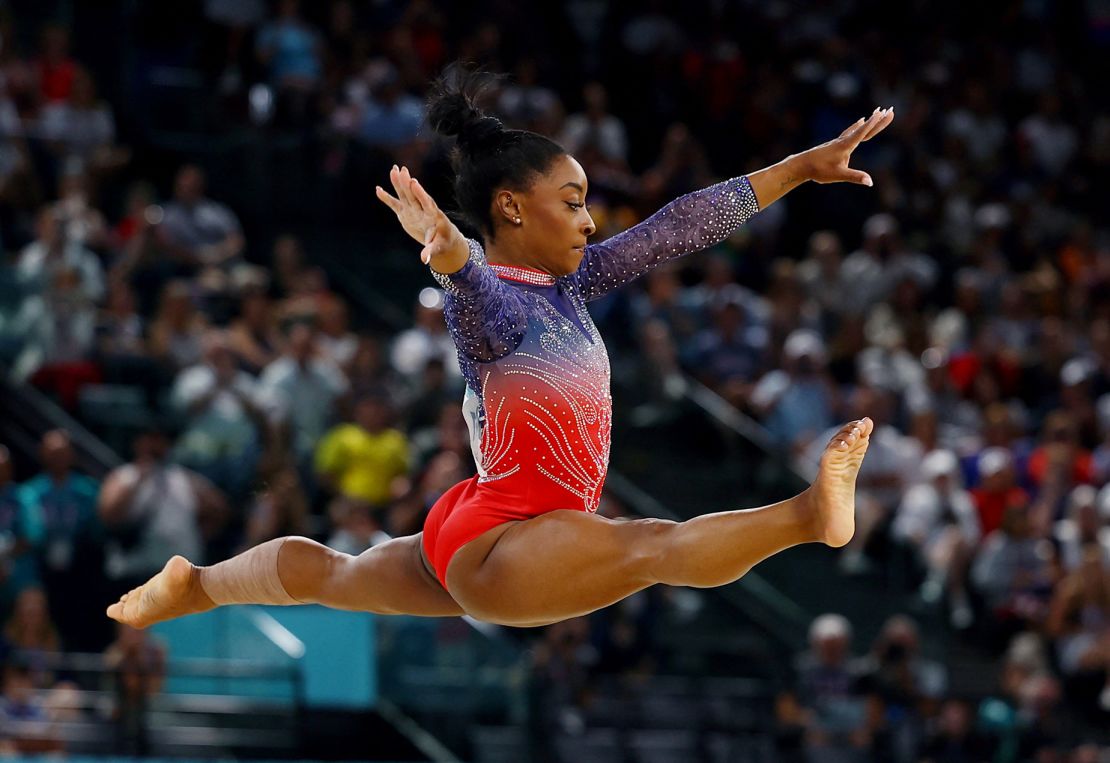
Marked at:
<point>516,220</point>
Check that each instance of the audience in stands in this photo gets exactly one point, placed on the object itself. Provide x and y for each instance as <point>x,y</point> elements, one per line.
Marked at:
<point>962,303</point>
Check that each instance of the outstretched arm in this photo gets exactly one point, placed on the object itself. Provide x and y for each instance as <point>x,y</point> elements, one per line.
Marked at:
<point>486,318</point>
<point>703,218</point>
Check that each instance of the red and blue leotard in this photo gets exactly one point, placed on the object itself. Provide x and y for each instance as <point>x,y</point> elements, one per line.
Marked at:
<point>537,399</point>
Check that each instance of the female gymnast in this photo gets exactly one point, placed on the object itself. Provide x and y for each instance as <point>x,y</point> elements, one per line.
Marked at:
<point>519,544</point>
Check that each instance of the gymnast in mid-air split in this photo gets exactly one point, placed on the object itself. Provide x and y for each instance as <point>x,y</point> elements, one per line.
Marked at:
<point>519,543</point>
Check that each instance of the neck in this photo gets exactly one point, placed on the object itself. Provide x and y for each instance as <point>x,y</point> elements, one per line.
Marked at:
<point>509,250</point>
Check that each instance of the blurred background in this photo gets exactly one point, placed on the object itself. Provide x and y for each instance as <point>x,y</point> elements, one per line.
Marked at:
<point>212,335</point>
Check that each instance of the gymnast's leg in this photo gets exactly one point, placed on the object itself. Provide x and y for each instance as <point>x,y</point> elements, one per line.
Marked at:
<point>387,579</point>
<point>568,563</point>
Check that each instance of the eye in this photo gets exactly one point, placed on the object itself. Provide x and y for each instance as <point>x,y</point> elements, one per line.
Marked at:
<point>576,206</point>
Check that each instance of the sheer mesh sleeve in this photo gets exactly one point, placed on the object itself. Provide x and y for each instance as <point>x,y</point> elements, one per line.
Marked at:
<point>689,223</point>
<point>486,318</point>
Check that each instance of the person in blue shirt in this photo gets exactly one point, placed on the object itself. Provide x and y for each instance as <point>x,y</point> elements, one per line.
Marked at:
<point>59,507</point>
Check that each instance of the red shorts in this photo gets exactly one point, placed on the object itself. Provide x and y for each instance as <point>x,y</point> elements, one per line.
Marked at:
<point>462,514</point>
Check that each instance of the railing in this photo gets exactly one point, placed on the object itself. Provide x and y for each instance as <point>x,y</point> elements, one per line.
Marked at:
<point>101,706</point>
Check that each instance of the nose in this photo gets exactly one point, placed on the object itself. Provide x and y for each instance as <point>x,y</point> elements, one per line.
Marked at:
<point>590,228</point>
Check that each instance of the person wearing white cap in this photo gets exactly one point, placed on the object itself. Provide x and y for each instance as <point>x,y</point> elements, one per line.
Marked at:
<point>829,692</point>
<point>796,401</point>
<point>998,489</point>
<point>937,519</point>
<point>1085,526</point>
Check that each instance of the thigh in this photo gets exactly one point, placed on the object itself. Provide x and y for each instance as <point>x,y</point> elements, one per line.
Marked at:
<point>558,565</point>
<point>390,579</point>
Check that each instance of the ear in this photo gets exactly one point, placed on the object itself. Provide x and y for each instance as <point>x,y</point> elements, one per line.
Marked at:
<point>506,207</point>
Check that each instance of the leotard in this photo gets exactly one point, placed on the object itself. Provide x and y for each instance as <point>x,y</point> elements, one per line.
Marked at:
<point>537,399</point>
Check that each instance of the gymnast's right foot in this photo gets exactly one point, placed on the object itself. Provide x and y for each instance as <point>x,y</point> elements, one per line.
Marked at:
<point>833,493</point>
<point>173,592</point>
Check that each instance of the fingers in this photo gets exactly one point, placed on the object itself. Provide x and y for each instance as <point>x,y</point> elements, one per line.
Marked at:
<point>880,125</point>
<point>401,180</point>
<point>426,202</point>
<point>389,201</point>
<point>858,134</point>
<point>854,126</point>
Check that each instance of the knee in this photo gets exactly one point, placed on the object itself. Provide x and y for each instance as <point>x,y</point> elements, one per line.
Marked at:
<point>305,567</point>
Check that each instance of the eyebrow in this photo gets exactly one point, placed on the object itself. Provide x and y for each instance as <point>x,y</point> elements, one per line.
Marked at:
<point>572,184</point>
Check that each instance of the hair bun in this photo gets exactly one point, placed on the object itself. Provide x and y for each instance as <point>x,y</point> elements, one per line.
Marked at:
<point>453,108</point>
<point>476,133</point>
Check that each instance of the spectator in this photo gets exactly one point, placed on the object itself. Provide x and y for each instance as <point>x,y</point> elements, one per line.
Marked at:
<point>152,510</point>
<point>176,334</point>
<point>196,230</point>
<point>24,715</point>
<point>875,269</point>
<point>909,686</point>
<point>291,50</point>
<point>361,459</point>
<point>336,341</point>
<point>997,492</point>
<point>80,220</point>
<point>797,401</point>
<point>280,509</point>
<point>1082,529</point>
<point>596,126</point>
<point>30,630</point>
<point>356,526</point>
<point>528,104</point>
<point>938,520</point>
<point>730,353</point>
<point>62,527</point>
<point>81,128</point>
<point>369,371</point>
<point>391,119</point>
<point>51,254</point>
<point>226,423</point>
<point>253,336</point>
<point>955,738</point>
<point>17,564</point>
<point>302,389</point>
<point>1079,621</point>
<point>436,390</point>
<point>829,692</point>
<point>1013,572</point>
<point>56,71</point>
<point>121,348</point>
<point>138,662</point>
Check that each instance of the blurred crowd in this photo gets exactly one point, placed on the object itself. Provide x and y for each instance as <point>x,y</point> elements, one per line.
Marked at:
<point>963,304</point>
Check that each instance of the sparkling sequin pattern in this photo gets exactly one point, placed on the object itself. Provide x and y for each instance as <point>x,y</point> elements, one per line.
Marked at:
<point>537,400</point>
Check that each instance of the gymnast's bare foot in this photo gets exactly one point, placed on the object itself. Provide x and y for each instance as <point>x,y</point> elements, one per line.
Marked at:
<point>833,493</point>
<point>173,592</point>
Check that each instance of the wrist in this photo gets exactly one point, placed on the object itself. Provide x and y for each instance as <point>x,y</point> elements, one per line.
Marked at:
<point>799,166</point>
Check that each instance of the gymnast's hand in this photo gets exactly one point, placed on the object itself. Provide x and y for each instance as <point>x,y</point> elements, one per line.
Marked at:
<point>828,163</point>
<point>445,248</point>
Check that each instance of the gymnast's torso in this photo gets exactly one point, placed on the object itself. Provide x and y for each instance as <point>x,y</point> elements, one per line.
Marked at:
<point>537,399</point>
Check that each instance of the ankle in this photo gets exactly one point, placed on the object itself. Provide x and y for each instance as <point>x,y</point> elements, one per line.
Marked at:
<point>198,597</point>
<point>808,518</point>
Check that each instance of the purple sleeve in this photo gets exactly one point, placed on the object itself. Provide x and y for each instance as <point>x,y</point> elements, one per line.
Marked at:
<point>486,318</point>
<point>688,224</point>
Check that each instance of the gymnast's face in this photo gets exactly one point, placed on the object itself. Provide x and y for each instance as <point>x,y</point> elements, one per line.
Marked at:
<point>554,222</point>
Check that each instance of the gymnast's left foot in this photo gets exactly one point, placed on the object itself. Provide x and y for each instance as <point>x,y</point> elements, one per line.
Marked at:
<point>173,592</point>
<point>833,493</point>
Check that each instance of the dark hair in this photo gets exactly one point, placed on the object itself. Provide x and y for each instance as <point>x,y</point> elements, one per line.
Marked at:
<point>486,156</point>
